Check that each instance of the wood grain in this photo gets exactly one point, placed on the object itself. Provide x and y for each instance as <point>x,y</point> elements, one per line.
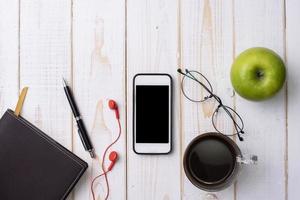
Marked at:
<point>264,121</point>
<point>44,59</point>
<point>152,47</point>
<point>99,74</point>
<point>293,96</point>
<point>207,46</point>
<point>9,55</point>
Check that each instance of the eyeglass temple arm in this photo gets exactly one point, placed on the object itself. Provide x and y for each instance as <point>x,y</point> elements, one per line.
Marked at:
<point>180,72</point>
<point>189,75</point>
<point>237,127</point>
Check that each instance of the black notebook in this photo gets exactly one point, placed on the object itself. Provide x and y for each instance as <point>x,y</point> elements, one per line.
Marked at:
<point>33,166</point>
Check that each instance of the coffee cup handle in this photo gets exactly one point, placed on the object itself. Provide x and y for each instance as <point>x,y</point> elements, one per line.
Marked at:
<point>247,159</point>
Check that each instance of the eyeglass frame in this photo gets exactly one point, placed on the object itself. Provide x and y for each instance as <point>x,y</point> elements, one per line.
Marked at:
<point>239,128</point>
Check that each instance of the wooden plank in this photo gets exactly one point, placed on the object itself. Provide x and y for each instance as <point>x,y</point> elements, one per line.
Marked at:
<point>99,74</point>
<point>9,56</point>
<point>292,57</point>
<point>152,47</point>
<point>44,59</point>
<point>260,23</point>
<point>207,46</point>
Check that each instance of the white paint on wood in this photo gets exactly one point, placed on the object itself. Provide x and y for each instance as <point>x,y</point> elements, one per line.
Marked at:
<point>260,23</point>
<point>152,48</point>
<point>44,60</point>
<point>9,79</point>
<point>99,74</point>
<point>293,55</point>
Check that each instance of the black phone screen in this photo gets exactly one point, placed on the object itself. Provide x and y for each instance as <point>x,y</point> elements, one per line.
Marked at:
<point>152,113</point>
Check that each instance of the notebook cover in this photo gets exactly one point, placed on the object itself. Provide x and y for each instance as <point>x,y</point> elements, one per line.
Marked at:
<point>33,165</point>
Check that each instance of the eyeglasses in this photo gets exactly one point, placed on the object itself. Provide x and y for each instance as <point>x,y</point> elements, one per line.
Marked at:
<point>192,85</point>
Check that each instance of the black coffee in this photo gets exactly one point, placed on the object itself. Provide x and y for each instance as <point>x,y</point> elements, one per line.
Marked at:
<point>211,160</point>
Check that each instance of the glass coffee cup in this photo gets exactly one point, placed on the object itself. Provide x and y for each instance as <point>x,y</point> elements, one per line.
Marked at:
<point>212,161</point>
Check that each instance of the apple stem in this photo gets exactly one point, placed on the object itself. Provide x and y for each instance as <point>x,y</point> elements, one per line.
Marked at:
<point>259,74</point>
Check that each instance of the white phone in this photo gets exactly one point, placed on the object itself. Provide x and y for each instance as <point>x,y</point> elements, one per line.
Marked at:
<point>152,113</point>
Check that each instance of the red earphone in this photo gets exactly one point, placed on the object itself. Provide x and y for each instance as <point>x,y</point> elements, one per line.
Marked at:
<point>113,105</point>
<point>113,156</point>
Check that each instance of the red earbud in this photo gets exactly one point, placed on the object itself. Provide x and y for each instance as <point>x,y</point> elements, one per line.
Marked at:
<point>113,105</point>
<point>113,156</point>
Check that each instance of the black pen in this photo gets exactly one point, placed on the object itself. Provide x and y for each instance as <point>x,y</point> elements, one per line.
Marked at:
<point>81,128</point>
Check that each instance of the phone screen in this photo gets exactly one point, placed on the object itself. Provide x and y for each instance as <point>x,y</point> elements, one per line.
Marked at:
<point>152,113</point>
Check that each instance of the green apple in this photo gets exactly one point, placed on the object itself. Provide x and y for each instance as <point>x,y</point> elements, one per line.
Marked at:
<point>257,74</point>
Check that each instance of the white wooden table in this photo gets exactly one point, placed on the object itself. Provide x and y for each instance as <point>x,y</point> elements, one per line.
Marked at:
<point>99,45</point>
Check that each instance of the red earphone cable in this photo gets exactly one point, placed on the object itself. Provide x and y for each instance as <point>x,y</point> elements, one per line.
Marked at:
<point>103,167</point>
<point>92,184</point>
